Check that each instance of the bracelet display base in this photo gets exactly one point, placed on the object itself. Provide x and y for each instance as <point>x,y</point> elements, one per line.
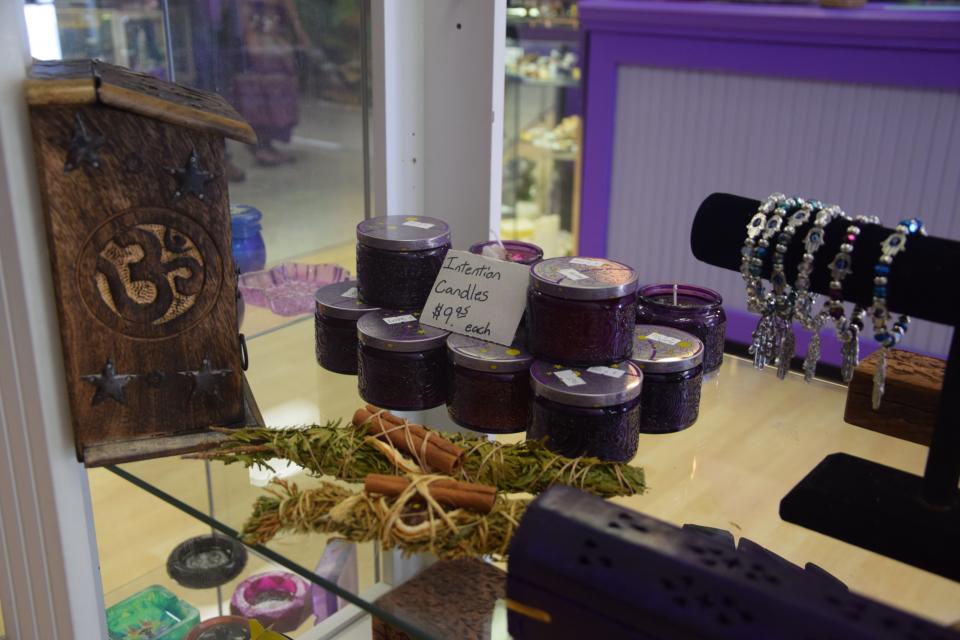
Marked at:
<point>878,508</point>
<point>907,517</point>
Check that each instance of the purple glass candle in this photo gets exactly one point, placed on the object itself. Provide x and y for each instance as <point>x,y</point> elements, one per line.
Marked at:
<point>581,311</point>
<point>672,364</point>
<point>398,258</point>
<point>697,310</point>
<point>335,326</point>
<point>488,385</point>
<point>276,599</point>
<point>587,412</point>
<point>402,363</point>
<point>519,252</point>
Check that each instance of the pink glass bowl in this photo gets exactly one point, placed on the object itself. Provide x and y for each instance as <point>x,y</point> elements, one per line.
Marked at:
<point>288,288</point>
<point>276,599</point>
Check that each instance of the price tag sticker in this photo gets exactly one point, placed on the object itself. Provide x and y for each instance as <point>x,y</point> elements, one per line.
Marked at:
<point>659,337</point>
<point>418,225</point>
<point>610,372</point>
<point>399,319</point>
<point>569,378</point>
<point>587,262</point>
<point>350,293</point>
<point>572,274</point>
<point>478,297</point>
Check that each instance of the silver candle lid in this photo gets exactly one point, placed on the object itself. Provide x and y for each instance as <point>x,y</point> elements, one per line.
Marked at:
<point>341,300</point>
<point>403,233</point>
<point>658,349</point>
<point>600,386</point>
<point>480,355</point>
<point>398,331</point>
<point>580,278</point>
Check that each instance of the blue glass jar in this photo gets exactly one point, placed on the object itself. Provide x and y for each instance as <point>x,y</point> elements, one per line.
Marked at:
<point>249,251</point>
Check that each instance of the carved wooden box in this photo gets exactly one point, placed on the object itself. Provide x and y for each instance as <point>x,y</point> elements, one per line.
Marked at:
<point>138,228</point>
<point>910,402</point>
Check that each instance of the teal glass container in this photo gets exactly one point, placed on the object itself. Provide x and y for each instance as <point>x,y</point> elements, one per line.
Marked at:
<point>155,613</point>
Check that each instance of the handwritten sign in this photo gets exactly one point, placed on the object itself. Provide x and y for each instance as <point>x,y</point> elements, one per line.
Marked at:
<point>477,296</point>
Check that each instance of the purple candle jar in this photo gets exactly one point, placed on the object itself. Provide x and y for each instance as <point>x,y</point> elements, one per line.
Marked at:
<point>335,326</point>
<point>581,311</point>
<point>402,363</point>
<point>398,258</point>
<point>276,599</point>
<point>587,412</point>
<point>672,364</point>
<point>516,251</point>
<point>697,310</point>
<point>488,386</point>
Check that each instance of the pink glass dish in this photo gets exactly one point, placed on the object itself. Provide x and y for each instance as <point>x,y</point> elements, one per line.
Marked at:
<point>288,288</point>
<point>276,599</point>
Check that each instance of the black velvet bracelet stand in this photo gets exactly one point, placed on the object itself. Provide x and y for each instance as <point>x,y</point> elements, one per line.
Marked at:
<point>915,520</point>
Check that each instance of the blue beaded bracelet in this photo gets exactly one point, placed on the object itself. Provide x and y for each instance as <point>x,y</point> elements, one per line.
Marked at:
<point>894,244</point>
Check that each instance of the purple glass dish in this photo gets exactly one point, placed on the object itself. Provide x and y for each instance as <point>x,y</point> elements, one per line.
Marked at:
<point>591,411</point>
<point>672,365</point>
<point>276,599</point>
<point>288,288</point>
<point>519,252</point>
<point>698,311</point>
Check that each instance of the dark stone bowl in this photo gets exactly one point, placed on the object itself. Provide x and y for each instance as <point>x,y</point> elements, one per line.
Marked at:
<point>206,561</point>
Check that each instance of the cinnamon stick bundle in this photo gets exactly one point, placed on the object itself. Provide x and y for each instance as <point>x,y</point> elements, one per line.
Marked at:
<point>425,446</point>
<point>449,493</point>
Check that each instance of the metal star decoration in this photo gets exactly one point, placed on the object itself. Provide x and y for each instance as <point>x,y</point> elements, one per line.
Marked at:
<point>83,148</point>
<point>108,384</point>
<point>192,179</point>
<point>206,380</point>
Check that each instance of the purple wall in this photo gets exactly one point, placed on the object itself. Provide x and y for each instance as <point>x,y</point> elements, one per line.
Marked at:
<point>692,98</point>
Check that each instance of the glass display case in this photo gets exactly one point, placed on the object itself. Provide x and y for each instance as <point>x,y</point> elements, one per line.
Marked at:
<point>723,472</point>
<point>542,127</point>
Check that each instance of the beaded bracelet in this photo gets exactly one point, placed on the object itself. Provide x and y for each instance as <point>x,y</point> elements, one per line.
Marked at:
<point>768,334</point>
<point>805,301</point>
<point>751,262</point>
<point>894,244</point>
<point>848,331</point>
<point>783,296</point>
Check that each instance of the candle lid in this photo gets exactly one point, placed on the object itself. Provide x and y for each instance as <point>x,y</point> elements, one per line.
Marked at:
<point>403,233</point>
<point>658,349</point>
<point>341,300</point>
<point>517,251</point>
<point>480,355</point>
<point>398,331</point>
<point>591,387</point>
<point>581,278</point>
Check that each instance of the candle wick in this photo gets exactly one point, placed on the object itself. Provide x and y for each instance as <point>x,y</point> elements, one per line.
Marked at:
<point>674,295</point>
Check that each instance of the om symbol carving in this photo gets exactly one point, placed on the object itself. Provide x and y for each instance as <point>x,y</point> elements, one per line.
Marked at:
<point>149,273</point>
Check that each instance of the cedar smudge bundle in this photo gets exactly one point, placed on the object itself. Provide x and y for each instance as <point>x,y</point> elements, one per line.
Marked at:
<point>428,448</point>
<point>413,521</point>
<point>350,454</point>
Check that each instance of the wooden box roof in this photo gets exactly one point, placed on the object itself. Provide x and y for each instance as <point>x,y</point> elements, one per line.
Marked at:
<point>77,82</point>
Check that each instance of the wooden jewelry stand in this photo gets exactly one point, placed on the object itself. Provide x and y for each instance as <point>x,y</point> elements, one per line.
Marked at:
<point>910,518</point>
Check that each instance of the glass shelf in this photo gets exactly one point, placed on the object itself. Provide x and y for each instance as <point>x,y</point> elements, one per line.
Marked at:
<point>729,470</point>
